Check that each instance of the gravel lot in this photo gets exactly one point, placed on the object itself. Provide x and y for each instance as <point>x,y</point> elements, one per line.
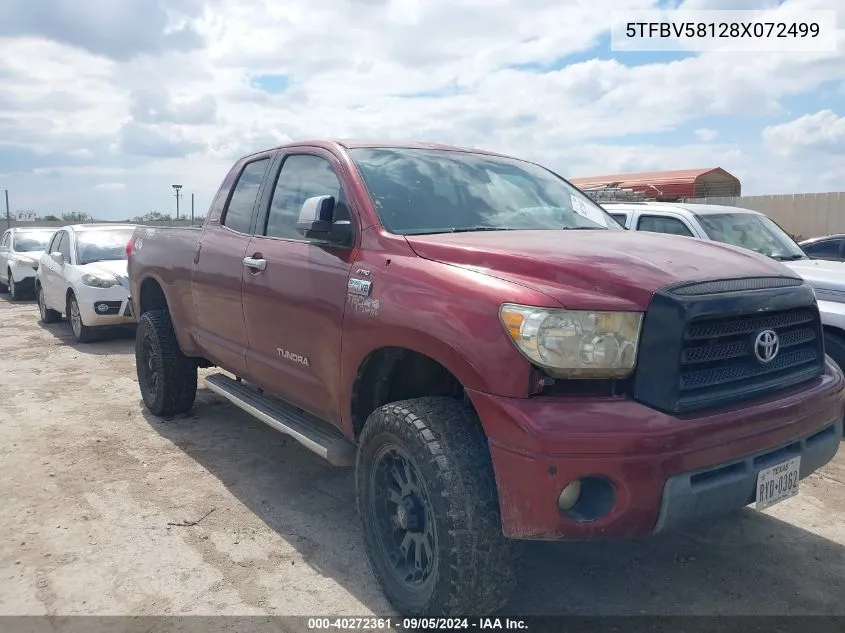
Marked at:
<point>91,483</point>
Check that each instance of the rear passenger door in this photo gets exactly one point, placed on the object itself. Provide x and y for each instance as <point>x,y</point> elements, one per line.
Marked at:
<point>294,306</point>
<point>219,267</point>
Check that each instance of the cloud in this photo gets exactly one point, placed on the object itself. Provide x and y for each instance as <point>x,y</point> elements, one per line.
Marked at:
<point>706,134</point>
<point>144,92</point>
<point>110,186</point>
<point>822,132</point>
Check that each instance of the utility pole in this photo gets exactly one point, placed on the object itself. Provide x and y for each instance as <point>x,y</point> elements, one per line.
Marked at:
<point>8,213</point>
<point>176,188</point>
<point>192,209</point>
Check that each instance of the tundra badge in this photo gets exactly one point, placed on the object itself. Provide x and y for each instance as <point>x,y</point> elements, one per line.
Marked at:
<point>296,358</point>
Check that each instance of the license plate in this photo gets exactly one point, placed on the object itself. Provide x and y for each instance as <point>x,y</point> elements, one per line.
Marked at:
<point>777,483</point>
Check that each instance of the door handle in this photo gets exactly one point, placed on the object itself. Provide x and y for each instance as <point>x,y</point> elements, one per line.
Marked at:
<point>255,264</point>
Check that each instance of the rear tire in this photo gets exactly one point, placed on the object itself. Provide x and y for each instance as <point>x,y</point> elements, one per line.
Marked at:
<point>167,378</point>
<point>834,346</point>
<point>47,315</point>
<point>429,507</point>
<point>13,288</point>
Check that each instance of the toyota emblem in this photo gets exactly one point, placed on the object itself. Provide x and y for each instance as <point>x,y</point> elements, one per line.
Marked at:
<point>766,346</point>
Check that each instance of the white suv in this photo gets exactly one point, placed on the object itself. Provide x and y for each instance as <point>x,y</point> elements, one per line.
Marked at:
<point>754,231</point>
<point>83,275</point>
<point>20,249</point>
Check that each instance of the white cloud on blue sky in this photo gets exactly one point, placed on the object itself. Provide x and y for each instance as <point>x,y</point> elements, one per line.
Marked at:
<point>105,104</point>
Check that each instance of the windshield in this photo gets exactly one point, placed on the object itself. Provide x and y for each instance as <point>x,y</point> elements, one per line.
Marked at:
<point>31,241</point>
<point>754,232</point>
<point>100,245</point>
<point>419,191</point>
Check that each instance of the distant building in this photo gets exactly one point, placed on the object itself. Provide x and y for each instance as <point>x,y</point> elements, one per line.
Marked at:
<point>662,185</point>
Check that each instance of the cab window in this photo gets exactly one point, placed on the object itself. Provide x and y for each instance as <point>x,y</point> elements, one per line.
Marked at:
<point>663,224</point>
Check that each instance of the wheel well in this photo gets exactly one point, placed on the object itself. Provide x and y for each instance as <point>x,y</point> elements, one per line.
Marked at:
<point>152,297</point>
<point>394,373</point>
<point>835,331</point>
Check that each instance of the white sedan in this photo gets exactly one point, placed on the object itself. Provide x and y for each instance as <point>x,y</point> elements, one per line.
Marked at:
<point>82,274</point>
<point>20,250</point>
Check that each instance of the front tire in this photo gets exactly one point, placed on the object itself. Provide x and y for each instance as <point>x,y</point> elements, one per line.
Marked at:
<point>14,287</point>
<point>834,346</point>
<point>47,315</point>
<point>167,378</point>
<point>81,332</point>
<point>429,508</point>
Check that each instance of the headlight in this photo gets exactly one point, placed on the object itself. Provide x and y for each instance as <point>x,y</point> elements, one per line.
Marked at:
<point>575,343</point>
<point>98,282</point>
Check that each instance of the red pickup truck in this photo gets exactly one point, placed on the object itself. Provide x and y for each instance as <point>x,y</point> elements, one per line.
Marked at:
<point>495,355</point>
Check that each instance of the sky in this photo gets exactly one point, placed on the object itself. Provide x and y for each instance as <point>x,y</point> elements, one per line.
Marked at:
<point>105,104</point>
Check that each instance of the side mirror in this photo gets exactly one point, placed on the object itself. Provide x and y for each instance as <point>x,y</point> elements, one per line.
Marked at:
<point>58,258</point>
<point>316,220</point>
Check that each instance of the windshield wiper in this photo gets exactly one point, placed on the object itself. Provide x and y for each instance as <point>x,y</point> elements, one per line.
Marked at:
<point>583,228</point>
<point>470,229</point>
<point>788,258</point>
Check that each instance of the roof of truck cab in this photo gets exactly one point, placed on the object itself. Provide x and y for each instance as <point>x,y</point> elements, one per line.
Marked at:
<point>331,144</point>
<point>690,208</point>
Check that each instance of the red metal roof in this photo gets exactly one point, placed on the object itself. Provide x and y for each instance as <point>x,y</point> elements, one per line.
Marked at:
<point>677,183</point>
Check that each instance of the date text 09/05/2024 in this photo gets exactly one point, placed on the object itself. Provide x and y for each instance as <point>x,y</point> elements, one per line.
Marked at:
<point>415,624</point>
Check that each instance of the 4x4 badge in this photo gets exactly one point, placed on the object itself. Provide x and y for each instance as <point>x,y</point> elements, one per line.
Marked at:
<point>359,287</point>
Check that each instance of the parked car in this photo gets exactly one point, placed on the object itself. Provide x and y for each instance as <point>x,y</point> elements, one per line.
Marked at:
<point>830,247</point>
<point>495,355</point>
<point>20,249</point>
<point>751,230</point>
<point>82,274</point>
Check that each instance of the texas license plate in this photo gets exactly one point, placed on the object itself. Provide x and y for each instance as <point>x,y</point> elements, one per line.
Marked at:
<point>777,483</point>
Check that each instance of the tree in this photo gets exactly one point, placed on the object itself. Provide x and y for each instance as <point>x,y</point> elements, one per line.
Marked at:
<point>75,217</point>
<point>51,218</point>
<point>152,216</point>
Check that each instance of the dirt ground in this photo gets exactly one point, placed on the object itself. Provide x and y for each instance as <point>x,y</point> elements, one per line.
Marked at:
<point>91,485</point>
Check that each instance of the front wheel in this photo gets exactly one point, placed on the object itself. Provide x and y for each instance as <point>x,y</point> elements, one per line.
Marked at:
<point>81,332</point>
<point>429,507</point>
<point>14,287</point>
<point>167,378</point>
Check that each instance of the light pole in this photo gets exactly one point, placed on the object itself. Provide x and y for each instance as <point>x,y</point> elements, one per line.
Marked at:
<point>178,195</point>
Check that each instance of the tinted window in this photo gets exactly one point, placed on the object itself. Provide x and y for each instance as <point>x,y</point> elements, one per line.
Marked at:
<point>101,245</point>
<point>620,217</point>
<point>64,246</point>
<point>54,243</point>
<point>31,241</point>
<point>828,248</point>
<point>302,177</point>
<point>238,215</point>
<point>5,240</point>
<point>657,224</point>
<point>417,191</point>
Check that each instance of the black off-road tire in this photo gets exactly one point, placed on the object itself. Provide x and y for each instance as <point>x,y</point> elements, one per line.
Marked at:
<point>475,564</point>
<point>834,346</point>
<point>157,350</point>
<point>47,315</point>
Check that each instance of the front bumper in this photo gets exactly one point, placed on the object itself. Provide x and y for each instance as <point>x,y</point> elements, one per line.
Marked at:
<point>663,471</point>
<point>104,306</point>
<point>24,273</point>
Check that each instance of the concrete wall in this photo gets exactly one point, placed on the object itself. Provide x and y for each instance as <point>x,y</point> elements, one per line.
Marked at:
<point>803,215</point>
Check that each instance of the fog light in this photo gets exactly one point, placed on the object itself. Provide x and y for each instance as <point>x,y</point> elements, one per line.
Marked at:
<point>569,495</point>
<point>102,308</point>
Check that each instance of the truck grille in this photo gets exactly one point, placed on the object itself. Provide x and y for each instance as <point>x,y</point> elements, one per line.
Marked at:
<point>697,346</point>
<point>718,355</point>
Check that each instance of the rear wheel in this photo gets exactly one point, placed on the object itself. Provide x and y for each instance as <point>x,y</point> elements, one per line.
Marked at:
<point>81,332</point>
<point>167,378</point>
<point>428,504</point>
<point>47,315</point>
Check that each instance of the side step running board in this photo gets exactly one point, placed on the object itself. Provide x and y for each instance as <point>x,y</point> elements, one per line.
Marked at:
<point>314,434</point>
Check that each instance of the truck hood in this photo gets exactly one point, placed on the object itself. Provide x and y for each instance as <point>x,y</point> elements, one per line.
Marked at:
<point>594,269</point>
<point>820,274</point>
